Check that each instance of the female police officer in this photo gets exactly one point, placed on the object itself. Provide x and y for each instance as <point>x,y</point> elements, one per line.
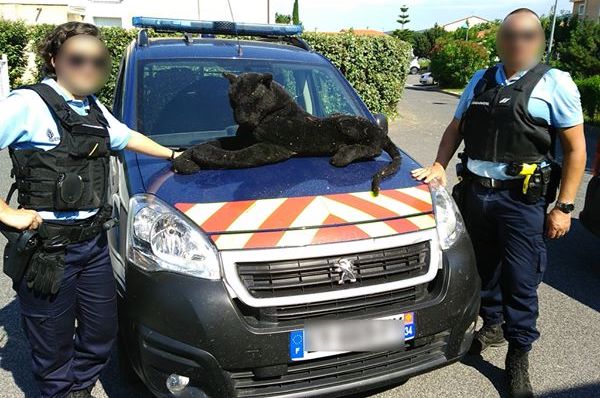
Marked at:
<point>60,137</point>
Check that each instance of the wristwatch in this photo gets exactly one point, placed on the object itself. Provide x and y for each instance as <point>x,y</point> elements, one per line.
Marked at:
<point>565,207</point>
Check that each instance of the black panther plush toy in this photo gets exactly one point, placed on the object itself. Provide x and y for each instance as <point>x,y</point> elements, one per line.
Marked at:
<point>273,128</point>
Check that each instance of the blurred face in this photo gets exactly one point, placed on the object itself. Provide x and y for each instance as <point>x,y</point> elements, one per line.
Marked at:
<point>520,40</point>
<point>82,65</point>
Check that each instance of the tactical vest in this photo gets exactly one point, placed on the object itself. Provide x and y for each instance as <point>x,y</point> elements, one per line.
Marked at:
<point>74,174</point>
<point>497,125</point>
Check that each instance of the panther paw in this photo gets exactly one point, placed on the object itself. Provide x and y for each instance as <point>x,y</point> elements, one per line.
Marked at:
<point>183,164</point>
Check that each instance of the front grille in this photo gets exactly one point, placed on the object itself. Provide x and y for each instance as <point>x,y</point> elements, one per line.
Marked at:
<point>315,275</point>
<point>340,369</point>
<point>358,306</point>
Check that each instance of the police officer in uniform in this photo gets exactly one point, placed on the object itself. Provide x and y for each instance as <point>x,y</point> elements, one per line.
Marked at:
<point>60,138</point>
<point>509,117</point>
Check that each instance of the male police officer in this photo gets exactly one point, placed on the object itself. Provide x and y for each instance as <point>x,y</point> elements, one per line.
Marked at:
<point>60,138</point>
<point>508,117</point>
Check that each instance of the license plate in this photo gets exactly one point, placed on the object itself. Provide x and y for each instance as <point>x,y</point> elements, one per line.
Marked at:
<point>323,339</point>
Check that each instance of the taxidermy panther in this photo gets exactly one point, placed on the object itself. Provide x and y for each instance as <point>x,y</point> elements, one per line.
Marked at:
<point>273,128</point>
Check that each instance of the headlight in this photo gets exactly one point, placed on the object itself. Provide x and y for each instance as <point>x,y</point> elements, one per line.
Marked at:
<point>450,225</point>
<point>159,238</point>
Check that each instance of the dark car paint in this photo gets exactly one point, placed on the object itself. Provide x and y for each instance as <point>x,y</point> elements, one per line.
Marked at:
<point>165,304</point>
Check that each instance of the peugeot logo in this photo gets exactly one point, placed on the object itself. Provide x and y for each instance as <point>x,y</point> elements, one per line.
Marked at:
<point>346,270</point>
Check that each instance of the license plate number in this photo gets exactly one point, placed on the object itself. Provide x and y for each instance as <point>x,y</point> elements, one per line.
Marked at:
<point>320,339</point>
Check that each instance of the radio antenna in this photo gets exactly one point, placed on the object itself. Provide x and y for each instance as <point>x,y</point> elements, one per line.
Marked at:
<point>239,45</point>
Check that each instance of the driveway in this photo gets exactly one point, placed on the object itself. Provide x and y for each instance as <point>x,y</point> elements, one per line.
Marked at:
<point>565,362</point>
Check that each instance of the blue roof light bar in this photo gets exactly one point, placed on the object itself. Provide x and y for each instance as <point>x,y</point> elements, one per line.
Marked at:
<point>217,27</point>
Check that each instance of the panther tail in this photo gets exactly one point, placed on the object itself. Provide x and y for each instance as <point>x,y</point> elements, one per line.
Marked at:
<point>390,169</point>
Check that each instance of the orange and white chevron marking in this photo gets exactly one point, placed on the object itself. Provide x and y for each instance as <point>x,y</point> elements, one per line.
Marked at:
<point>309,220</point>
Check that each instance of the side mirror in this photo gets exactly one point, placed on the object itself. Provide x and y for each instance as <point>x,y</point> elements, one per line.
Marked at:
<point>381,121</point>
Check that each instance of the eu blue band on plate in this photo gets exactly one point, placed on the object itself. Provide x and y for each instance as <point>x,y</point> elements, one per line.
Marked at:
<point>296,344</point>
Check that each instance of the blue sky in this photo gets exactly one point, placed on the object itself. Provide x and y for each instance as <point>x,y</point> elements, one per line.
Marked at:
<point>334,15</point>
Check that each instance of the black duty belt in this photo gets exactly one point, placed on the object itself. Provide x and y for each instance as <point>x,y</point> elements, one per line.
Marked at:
<point>492,183</point>
<point>78,230</point>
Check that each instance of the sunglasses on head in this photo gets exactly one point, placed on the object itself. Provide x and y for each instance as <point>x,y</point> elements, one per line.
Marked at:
<point>527,35</point>
<point>79,60</point>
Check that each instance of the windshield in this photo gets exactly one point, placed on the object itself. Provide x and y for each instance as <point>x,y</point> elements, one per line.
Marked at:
<point>184,102</point>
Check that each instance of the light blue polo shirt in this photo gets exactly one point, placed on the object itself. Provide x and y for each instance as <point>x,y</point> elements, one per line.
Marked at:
<point>26,122</point>
<point>555,99</point>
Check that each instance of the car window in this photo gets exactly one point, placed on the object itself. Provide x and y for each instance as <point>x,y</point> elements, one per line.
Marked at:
<point>183,102</point>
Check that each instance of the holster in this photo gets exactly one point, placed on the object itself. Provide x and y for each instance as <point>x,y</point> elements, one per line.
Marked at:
<point>38,255</point>
<point>459,190</point>
<point>18,252</point>
<point>554,178</point>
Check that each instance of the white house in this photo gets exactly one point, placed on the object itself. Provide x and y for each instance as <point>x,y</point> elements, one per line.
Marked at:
<point>119,12</point>
<point>460,23</point>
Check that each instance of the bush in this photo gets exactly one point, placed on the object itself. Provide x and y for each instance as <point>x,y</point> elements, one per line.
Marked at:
<point>37,34</point>
<point>116,39</point>
<point>376,66</point>
<point>424,63</point>
<point>453,62</point>
<point>590,95</point>
<point>13,42</point>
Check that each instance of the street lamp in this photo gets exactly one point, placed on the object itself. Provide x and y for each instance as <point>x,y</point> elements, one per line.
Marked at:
<point>551,41</point>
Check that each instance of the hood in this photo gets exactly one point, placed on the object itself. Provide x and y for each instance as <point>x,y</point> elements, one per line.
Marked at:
<point>299,202</point>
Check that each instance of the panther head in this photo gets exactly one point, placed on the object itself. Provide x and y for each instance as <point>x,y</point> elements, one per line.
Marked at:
<point>253,96</point>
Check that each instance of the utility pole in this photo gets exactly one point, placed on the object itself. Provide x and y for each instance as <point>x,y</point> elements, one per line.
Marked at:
<point>268,11</point>
<point>551,41</point>
<point>467,35</point>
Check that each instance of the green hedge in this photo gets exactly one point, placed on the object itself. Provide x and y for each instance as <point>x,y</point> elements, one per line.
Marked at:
<point>589,89</point>
<point>14,37</point>
<point>453,62</point>
<point>376,66</point>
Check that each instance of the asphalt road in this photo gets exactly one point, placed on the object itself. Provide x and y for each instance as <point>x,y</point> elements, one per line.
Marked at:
<point>565,362</point>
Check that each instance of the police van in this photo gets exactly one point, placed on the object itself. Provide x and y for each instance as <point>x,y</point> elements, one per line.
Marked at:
<point>243,283</point>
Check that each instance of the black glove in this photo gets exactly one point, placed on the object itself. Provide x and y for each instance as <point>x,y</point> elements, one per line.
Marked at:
<point>46,270</point>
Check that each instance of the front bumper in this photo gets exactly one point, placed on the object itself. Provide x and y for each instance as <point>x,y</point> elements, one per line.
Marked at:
<point>177,324</point>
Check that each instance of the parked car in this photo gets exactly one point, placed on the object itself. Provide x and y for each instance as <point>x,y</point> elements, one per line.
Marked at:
<point>427,79</point>
<point>414,67</point>
<point>220,273</point>
<point>590,216</point>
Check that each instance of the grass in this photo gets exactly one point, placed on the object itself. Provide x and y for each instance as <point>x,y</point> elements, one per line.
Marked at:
<point>456,91</point>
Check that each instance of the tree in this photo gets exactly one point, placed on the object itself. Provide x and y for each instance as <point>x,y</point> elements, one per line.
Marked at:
<point>403,17</point>
<point>424,41</point>
<point>580,55</point>
<point>296,13</point>
<point>404,34</point>
<point>565,25</point>
<point>484,34</point>
<point>283,18</point>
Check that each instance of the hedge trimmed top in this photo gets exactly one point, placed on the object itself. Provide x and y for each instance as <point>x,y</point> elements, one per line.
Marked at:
<point>376,66</point>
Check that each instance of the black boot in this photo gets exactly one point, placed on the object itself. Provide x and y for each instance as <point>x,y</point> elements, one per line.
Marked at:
<point>487,336</point>
<point>517,373</point>
<point>86,393</point>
